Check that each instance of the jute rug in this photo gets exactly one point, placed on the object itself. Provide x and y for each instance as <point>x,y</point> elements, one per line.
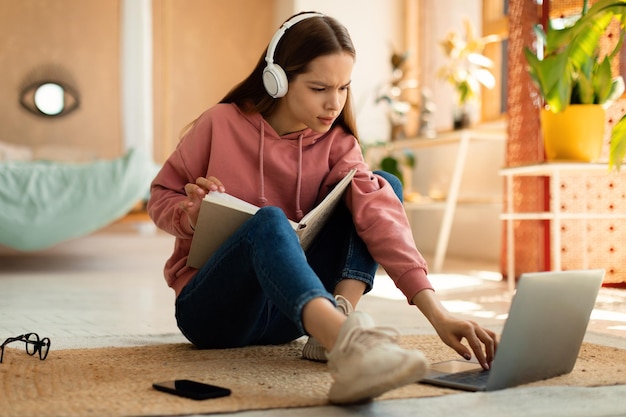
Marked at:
<point>118,381</point>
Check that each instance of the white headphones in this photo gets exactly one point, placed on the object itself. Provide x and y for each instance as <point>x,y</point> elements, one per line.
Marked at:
<point>274,77</point>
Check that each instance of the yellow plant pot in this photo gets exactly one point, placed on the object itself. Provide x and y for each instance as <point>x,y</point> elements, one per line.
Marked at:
<point>575,134</point>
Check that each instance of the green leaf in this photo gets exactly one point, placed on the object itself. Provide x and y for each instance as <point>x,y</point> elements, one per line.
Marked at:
<point>560,75</point>
<point>617,89</point>
<point>602,81</point>
<point>534,68</point>
<point>583,92</point>
<point>552,77</point>
<point>587,33</point>
<point>618,145</point>
<point>390,165</point>
<point>409,157</point>
<point>465,91</point>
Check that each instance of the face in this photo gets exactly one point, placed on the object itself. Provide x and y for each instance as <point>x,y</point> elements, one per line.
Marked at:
<point>315,98</point>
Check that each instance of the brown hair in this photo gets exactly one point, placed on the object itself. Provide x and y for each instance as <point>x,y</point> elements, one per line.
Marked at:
<point>299,45</point>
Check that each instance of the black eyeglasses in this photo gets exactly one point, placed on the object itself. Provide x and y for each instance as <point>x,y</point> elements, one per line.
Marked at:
<point>33,345</point>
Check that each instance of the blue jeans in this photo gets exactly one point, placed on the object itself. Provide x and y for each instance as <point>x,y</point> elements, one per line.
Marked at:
<point>253,289</point>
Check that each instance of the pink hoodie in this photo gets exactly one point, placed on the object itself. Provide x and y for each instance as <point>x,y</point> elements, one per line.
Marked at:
<point>293,172</point>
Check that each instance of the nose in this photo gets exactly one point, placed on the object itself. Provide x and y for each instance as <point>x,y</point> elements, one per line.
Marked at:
<point>333,101</point>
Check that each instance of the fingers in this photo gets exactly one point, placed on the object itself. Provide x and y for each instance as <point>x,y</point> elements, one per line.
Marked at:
<point>482,342</point>
<point>490,341</point>
<point>479,338</point>
<point>210,184</point>
<point>194,192</point>
<point>461,349</point>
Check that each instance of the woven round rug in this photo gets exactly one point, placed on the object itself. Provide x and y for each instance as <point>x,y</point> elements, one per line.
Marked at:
<point>118,381</point>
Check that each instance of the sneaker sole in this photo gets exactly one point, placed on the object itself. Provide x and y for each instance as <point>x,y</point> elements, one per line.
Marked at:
<point>314,352</point>
<point>362,392</point>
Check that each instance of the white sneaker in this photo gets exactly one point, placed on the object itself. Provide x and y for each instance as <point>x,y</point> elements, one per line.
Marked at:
<point>313,350</point>
<point>367,361</point>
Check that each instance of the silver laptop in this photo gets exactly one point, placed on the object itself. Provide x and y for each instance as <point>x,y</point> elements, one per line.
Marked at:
<point>541,337</point>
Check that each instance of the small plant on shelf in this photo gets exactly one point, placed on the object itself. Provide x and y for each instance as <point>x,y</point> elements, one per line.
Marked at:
<point>467,68</point>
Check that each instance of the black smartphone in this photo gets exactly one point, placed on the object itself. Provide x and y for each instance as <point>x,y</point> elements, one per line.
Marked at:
<point>191,389</point>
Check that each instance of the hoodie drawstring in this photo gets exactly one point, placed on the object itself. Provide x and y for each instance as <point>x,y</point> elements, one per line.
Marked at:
<point>299,213</point>
<point>262,199</point>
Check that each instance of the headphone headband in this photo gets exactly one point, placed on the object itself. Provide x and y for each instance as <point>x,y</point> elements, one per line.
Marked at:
<point>271,49</point>
<point>274,77</point>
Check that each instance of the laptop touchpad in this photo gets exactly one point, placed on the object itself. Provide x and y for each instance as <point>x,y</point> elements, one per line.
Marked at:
<point>454,366</point>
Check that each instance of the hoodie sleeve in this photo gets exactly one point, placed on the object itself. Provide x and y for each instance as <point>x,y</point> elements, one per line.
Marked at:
<point>188,162</point>
<point>382,223</point>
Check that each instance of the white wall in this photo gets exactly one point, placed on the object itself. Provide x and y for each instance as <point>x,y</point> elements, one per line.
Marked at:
<point>477,230</point>
<point>136,75</point>
<point>441,17</point>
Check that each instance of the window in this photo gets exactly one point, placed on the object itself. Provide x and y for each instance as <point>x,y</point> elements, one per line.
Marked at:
<point>496,22</point>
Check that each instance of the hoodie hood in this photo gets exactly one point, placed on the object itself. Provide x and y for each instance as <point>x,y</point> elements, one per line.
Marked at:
<point>301,139</point>
<point>309,136</point>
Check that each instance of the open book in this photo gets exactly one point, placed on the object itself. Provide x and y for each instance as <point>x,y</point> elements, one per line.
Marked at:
<point>221,215</point>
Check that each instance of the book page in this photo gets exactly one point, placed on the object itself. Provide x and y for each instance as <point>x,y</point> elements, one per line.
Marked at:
<point>227,200</point>
<point>314,220</point>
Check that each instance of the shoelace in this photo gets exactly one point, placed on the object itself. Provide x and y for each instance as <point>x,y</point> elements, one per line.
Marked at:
<point>369,337</point>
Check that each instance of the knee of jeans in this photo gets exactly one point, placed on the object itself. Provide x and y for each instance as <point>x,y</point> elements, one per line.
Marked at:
<point>271,219</point>
<point>395,183</point>
<point>270,212</point>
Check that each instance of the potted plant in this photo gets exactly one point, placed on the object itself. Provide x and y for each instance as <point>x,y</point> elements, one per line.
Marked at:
<point>576,81</point>
<point>467,69</point>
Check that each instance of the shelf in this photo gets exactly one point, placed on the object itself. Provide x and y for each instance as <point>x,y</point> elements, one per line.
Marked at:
<point>548,169</point>
<point>493,131</point>
<point>562,216</point>
<point>426,203</point>
<point>496,131</point>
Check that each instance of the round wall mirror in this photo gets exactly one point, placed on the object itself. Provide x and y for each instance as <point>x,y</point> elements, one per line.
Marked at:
<point>49,98</point>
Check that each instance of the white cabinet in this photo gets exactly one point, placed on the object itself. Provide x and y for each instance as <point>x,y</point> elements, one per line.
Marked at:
<point>554,171</point>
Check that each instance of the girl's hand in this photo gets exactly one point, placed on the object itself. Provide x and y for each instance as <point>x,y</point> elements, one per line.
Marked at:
<point>195,194</point>
<point>452,330</point>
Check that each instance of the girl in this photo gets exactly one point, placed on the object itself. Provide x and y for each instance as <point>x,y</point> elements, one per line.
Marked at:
<point>281,139</point>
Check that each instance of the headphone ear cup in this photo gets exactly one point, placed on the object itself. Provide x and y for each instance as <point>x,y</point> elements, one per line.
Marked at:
<point>275,80</point>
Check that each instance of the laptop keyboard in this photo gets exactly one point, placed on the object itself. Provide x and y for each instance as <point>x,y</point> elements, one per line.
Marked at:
<point>476,378</point>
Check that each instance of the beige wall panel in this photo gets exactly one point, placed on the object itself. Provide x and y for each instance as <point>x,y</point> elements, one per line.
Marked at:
<point>77,40</point>
<point>201,49</point>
